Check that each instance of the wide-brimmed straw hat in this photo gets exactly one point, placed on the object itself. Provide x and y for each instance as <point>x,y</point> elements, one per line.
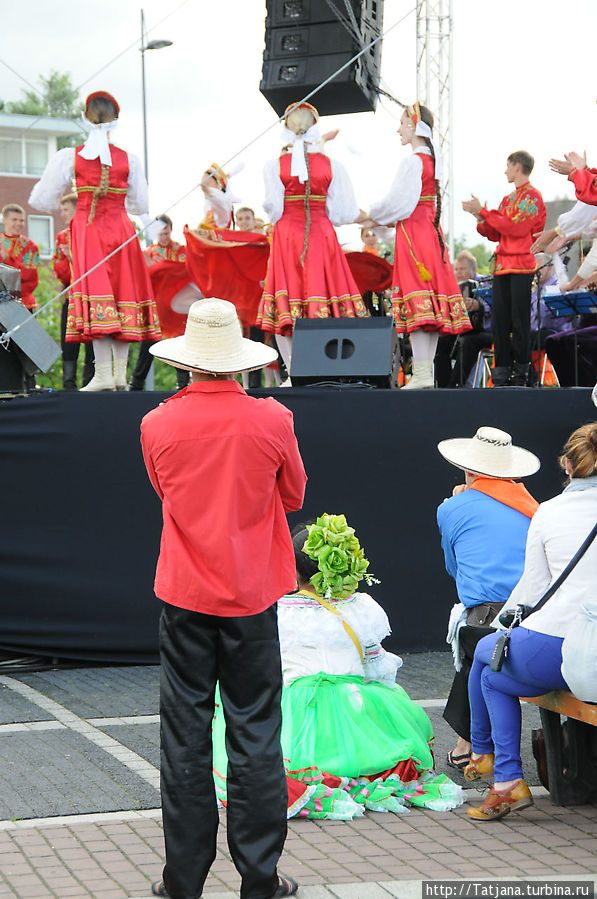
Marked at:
<point>490,452</point>
<point>213,342</point>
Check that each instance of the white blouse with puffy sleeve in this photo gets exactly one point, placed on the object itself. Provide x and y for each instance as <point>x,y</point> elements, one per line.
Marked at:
<point>404,194</point>
<point>58,177</point>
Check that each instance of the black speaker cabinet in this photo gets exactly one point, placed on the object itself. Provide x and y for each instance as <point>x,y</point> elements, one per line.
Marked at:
<point>305,42</point>
<point>344,351</point>
<point>30,348</point>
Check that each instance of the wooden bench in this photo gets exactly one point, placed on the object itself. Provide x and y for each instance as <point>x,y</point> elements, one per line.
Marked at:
<point>571,755</point>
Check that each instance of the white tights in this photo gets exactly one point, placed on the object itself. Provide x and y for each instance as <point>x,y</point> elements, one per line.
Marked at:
<point>105,347</point>
<point>424,344</point>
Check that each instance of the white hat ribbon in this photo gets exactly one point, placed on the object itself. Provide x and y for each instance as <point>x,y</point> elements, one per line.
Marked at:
<point>298,166</point>
<point>97,144</point>
<point>423,130</point>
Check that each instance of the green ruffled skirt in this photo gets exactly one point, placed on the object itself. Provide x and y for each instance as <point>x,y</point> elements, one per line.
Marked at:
<point>356,745</point>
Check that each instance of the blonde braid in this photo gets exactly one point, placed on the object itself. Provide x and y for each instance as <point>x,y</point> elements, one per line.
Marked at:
<point>307,206</point>
<point>100,191</point>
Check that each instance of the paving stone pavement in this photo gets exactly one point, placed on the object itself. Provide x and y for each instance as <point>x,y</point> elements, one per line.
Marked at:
<point>79,804</point>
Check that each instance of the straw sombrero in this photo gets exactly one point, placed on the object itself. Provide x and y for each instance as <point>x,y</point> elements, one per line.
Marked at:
<point>490,452</point>
<point>213,342</point>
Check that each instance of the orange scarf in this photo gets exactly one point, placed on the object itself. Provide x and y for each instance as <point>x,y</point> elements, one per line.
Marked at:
<point>509,493</point>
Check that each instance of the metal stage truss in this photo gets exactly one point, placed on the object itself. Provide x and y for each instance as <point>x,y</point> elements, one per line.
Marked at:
<point>434,89</point>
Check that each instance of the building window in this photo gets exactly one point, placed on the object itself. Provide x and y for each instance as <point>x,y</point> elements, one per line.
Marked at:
<point>23,157</point>
<point>11,162</point>
<point>41,231</point>
<point>36,156</point>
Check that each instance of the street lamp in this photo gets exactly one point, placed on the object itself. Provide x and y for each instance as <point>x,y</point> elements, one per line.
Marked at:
<point>151,45</point>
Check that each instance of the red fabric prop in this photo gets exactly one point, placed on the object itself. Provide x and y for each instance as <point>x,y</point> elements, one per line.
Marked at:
<point>168,279</point>
<point>230,265</point>
<point>371,272</point>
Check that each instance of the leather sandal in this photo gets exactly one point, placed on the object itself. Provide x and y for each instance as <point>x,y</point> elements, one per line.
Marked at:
<point>286,887</point>
<point>458,761</point>
<point>480,768</point>
<point>497,804</point>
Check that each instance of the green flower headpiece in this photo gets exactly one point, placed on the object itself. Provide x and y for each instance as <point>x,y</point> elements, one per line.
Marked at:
<point>339,556</point>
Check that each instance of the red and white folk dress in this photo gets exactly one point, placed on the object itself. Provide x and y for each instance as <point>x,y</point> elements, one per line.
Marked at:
<point>115,300</point>
<point>425,292</point>
<point>321,286</point>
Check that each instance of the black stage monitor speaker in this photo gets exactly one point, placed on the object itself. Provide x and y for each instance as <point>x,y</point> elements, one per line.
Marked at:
<point>305,42</point>
<point>344,351</point>
<point>30,348</point>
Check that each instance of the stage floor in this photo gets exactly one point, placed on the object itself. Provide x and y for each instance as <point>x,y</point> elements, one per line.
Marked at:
<point>82,524</point>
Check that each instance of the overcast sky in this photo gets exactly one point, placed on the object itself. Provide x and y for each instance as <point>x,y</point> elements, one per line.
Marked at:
<point>523,79</point>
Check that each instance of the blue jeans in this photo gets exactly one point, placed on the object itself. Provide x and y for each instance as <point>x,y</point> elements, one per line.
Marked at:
<point>532,667</point>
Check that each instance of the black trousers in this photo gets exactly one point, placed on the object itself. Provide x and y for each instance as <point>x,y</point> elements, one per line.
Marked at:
<point>70,351</point>
<point>256,333</point>
<point>243,653</point>
<point>511,319</point>
<point>144,361</point>
<point>458,711</point>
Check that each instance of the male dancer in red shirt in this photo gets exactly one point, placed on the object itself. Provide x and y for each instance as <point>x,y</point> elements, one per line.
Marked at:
<point>520,215</point>
<point>19,252</point>
<point>61,263</point>
<point>227,468</point>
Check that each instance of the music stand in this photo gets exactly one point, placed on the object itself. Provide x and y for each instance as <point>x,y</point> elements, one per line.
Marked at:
<point>583,302</point>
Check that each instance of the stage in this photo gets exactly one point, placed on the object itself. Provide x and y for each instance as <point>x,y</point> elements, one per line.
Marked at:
<point>82,523</point>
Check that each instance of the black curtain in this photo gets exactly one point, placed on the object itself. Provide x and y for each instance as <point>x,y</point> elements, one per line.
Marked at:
<point>81,523</point>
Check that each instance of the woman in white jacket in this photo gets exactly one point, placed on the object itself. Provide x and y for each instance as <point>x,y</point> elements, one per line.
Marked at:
<point>533,665</point>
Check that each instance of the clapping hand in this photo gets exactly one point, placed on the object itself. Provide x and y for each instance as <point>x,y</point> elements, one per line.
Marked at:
<point>543,239</point>
<point>473,205</point>
<point>570,161</point>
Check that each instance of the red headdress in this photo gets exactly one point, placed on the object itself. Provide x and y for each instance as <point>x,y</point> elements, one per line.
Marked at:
<point>414,113</point>
<point>308,106</point>
<point>104,95</point>
<point>216,172</point>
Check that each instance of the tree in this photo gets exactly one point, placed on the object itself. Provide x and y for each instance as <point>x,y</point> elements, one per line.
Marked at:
<point>57,98</point>
<point>481,252</point>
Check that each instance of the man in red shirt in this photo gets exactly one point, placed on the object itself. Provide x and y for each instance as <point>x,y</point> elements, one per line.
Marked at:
<point>61,263</point>
<point>18,251</point>
<point>227,469</point>
<point>520,215</point>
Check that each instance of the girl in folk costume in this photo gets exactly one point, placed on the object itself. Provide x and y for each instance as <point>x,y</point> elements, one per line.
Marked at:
<point>113,305</point>
<point>218,199</point>
<point>426,301</point>
<point>306,194</point>
<point>346,724</point>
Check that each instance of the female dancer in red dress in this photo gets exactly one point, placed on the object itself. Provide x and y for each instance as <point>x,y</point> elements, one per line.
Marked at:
<point>306,195</point>
<point>112,305</point>
<point>426,301</point>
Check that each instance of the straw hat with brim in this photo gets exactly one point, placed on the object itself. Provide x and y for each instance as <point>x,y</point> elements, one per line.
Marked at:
<point>213,342</point>
<point>490,452</point>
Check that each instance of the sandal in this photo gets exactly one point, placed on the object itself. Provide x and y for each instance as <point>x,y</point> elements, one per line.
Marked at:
<point>158,888</point>
<point>458,761</point>
<point>286,887</point>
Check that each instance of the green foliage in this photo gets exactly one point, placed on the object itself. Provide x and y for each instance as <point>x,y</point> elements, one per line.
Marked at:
<point>481,251</point>
<point>49,319</point>
<point>57,98</point>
